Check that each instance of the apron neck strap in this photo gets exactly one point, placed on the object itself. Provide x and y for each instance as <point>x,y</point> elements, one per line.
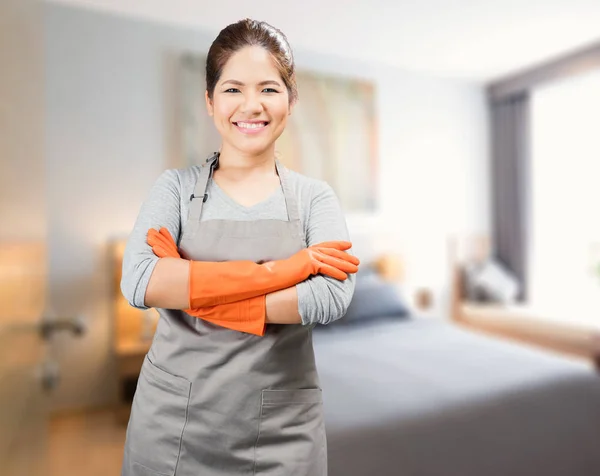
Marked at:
<point>291,202</point>
<point>200,194</point>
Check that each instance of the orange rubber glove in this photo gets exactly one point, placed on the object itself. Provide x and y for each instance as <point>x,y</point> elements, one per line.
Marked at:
<point>213,283</point>
<point>247,316</point>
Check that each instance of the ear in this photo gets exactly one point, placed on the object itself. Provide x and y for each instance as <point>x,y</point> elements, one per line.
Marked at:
<point>209,104</point>
<point>292,105</point>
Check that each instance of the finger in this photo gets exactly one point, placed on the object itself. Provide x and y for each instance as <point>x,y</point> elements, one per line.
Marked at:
<point>156,238</point>
<point>163,252</point>
<point>167,234</point>
<point>159,251</point>
<point>165,242</point>
<point>333,272</point>
<point>340,254</point>
<point>340,264</point>
<point>152,233</point>
<point>153,241</point>
<point>167,249</point>
<point>338,245</point>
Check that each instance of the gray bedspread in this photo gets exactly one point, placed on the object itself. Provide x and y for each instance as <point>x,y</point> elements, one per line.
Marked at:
<point>423,397</point>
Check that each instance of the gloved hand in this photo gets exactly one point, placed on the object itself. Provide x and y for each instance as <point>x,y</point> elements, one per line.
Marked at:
<point>213,283</point>
<point>248,315</point>
<point>244,316</point>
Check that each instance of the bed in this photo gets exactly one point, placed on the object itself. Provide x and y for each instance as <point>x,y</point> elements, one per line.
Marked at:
<point>408,396</point>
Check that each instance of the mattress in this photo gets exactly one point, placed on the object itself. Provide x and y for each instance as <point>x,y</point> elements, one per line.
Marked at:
<point>424,397</point>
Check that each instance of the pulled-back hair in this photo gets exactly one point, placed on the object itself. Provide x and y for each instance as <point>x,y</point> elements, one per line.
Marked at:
<point>251,33</point>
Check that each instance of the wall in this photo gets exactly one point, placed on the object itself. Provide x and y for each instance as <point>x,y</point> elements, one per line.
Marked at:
<point>22,167</point>
<point>111,130</point>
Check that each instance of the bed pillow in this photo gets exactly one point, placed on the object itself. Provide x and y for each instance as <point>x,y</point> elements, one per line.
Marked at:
<point>472,292</point>
<point>374,299</point>
<point>492,282</point>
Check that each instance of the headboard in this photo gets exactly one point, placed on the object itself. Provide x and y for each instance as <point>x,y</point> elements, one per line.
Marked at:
<point>461,251</point>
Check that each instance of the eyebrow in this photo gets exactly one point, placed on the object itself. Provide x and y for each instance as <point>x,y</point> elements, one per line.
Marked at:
<point>262,83</point>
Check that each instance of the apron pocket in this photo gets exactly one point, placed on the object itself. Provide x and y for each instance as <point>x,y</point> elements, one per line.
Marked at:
<point>291,435</point>
<point>158,417</point>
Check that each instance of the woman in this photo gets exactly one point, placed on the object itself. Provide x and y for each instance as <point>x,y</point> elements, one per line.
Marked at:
<point>237,256</point>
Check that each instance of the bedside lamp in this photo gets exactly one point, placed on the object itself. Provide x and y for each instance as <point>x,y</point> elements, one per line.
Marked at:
<point>389,267</point>
<point>423,299</point>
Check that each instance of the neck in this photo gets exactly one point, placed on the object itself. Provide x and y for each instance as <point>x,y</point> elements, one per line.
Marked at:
<point>235,164</point>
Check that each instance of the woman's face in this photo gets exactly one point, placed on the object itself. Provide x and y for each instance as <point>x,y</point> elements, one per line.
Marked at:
<point>250,102</point>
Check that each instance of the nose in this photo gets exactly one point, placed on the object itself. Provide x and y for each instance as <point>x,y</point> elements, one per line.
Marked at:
<point>252,104</point>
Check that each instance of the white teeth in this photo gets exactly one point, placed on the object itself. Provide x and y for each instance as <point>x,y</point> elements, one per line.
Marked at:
<point>251,125</point>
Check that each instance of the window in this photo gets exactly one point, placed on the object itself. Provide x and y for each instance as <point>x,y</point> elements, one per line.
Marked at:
<point>565,228</point>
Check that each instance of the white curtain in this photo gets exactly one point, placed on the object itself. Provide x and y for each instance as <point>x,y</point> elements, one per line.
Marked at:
<point>565,229</point>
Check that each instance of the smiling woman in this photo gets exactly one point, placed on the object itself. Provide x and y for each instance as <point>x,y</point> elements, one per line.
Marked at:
<point>241,257</point>
<point>251,87</point>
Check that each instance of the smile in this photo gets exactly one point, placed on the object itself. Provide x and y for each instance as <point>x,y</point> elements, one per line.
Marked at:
<point>250,127</point>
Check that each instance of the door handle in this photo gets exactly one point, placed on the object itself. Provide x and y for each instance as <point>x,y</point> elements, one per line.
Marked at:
<point>49,375</point>
<point>75,325</point>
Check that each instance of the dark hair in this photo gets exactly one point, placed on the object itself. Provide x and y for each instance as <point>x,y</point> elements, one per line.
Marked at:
<point>250,33</point>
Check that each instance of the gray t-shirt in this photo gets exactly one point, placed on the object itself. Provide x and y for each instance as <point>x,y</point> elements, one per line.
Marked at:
<point>321,299</point>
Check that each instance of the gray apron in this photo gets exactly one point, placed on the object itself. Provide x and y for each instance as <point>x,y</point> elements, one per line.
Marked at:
<point>213,401</point>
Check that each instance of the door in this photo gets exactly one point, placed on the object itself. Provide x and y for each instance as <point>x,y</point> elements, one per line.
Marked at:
<point>26,375</point>
<point>22,352</point>
<point>22,240</point>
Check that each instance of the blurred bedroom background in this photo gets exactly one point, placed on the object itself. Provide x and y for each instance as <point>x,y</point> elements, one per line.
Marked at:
<point>462,140</point>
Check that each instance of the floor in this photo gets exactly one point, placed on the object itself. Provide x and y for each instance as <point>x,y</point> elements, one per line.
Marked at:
<point>89,444</point>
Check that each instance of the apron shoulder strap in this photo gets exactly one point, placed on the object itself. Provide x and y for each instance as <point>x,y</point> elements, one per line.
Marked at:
<point>291,202</point>
<point>199,196</point>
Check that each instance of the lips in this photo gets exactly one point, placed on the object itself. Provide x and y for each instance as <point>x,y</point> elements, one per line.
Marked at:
<point>251,127</point>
